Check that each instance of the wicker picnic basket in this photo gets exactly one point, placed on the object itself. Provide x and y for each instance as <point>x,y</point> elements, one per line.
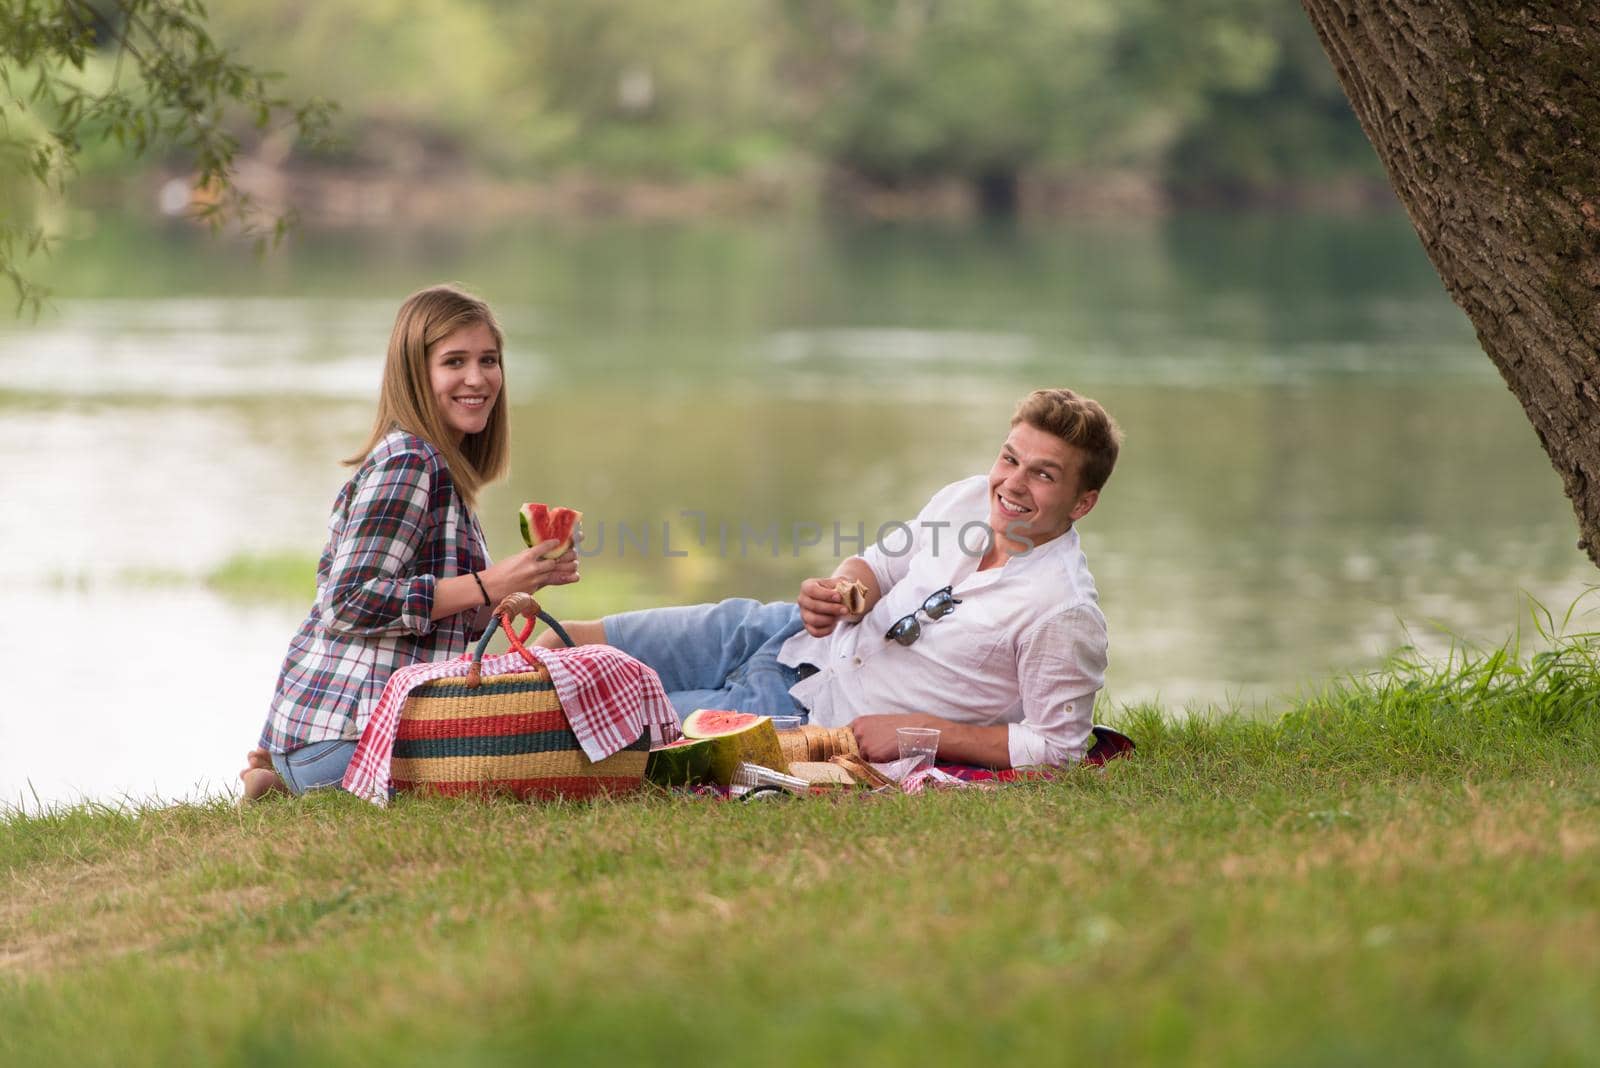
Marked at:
<point>504,733</point>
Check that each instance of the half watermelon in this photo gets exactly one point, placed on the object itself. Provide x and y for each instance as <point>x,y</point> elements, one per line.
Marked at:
<point>686,762</point>
<point>542,523</point>
<point>738,737</point>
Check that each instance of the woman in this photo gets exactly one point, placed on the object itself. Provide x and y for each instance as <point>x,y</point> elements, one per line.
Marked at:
<point>405,574</point>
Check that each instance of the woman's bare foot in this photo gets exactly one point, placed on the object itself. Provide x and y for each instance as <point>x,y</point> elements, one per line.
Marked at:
<point>258,776</point>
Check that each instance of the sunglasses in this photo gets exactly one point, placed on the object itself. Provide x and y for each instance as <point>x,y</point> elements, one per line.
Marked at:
<point>906,629</point>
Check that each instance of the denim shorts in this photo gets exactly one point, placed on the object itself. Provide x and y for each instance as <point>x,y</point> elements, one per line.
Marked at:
<point>314,767</point>
<point>722,655</point>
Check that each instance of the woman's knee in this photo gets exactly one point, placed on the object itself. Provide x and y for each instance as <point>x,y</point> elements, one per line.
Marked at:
<point>317,766</point>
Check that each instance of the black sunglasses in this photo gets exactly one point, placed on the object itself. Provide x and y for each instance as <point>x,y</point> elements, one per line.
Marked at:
<point>939,604</point>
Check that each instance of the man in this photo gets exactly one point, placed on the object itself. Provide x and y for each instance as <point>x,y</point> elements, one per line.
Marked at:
<point>980,618</point>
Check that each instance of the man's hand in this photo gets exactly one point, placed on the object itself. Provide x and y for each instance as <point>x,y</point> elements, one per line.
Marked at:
<point>875,734</point>
<point>959,743</point>
<point>820,606</point>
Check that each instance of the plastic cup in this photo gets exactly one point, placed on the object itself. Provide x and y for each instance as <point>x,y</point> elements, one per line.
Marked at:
<point>787,723</point>
<point>920,742</point>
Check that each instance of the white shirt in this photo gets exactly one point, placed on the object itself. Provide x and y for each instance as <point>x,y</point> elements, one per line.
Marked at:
<point>1025,647</point>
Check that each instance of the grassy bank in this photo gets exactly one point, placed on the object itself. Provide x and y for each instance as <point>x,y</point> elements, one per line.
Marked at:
<point>1401,869</point>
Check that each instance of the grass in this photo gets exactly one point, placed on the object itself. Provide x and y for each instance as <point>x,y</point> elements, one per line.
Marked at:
<point>283,577</point>
<point>287,577</point>
<point>1403,869</point>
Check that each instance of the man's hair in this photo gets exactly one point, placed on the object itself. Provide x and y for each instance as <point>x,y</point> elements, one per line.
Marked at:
<point>406,401</point>
<point>1079,422</point>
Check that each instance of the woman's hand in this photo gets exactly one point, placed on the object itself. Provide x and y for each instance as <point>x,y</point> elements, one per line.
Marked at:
<point>525,572</point>
<point>522,573</point>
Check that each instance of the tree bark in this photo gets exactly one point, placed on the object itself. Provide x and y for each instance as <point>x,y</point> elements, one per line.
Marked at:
<point>1486,114</point>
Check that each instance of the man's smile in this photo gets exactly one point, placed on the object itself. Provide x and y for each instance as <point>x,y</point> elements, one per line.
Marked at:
<point>1010,508</point>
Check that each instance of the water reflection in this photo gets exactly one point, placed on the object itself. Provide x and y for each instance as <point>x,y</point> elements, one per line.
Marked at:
<point>1317,451</point>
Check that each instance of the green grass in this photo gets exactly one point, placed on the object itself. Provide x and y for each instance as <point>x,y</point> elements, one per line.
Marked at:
<point>273,576</point>
<point>285,577</point>
<point>1404,869</point>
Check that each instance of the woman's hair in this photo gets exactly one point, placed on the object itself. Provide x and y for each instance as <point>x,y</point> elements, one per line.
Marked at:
<point>406,401</point>
<point>1079,422</point>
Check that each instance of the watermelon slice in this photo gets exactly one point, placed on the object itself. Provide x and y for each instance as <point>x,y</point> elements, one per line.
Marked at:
<point>686,762</point>
<point>540,523</point>
<point>737,737</point>
<point>712,723</point>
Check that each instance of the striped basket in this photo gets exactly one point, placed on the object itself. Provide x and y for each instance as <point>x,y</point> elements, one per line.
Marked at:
<point>504,733</point>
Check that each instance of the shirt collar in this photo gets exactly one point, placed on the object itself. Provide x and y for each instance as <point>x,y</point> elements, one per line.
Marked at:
<point>1056,549</point>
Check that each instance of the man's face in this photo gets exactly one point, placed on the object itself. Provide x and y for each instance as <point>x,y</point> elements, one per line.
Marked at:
<point>1033,487</point>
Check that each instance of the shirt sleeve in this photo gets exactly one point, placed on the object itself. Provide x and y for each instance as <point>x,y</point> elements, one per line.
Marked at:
<point>887,567</point>
<point>370,589</point>
<point>1061,664</point>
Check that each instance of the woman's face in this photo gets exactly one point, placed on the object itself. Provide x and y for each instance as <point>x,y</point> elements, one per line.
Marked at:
<point>465,375</point>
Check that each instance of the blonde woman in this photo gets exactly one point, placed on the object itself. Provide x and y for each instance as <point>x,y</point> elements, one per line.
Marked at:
<point>405,574</point>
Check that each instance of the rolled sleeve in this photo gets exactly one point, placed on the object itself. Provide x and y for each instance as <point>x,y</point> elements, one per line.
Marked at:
<point>1061,664</point>
<point>370,590</point>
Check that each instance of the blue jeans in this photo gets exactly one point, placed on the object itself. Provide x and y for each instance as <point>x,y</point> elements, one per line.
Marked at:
<point>314,767</point>
<point>721,655</point>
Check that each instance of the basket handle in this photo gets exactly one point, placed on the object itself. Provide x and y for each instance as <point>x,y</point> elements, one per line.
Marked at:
<point>516,604</point>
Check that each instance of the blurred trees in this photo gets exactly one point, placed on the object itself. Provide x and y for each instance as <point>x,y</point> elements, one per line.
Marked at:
<point>625,87</point>
<point>1290,124</point>
<point>142,74</point>
<point>987,91</point>
<point>895,92</point>
<point>1226,96</point>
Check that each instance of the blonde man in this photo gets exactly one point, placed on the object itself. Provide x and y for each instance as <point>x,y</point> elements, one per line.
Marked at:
<point>979,618</point>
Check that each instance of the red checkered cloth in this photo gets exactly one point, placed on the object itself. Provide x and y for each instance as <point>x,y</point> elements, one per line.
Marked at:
<point>1106,745</point>
<point>609,698</point>
<point>968,773</point>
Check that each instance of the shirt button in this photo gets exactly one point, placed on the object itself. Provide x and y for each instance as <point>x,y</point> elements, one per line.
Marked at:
<point>856,660</point>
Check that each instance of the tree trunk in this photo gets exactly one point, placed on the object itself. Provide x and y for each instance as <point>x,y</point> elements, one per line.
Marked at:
<point>1486,114</point>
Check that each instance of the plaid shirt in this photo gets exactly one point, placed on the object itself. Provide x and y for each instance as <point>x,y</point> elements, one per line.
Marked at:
<point>397,527</point>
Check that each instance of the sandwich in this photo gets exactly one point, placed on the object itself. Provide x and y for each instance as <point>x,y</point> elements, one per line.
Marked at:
<point>853,594</point>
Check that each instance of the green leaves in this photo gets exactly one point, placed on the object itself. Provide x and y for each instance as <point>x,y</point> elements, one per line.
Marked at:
<point>975,89</point>
<point>144,74</point>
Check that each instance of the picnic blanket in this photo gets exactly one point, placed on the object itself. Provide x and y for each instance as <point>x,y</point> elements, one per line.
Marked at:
<point>906,776</point>
<point>1105,745</point>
